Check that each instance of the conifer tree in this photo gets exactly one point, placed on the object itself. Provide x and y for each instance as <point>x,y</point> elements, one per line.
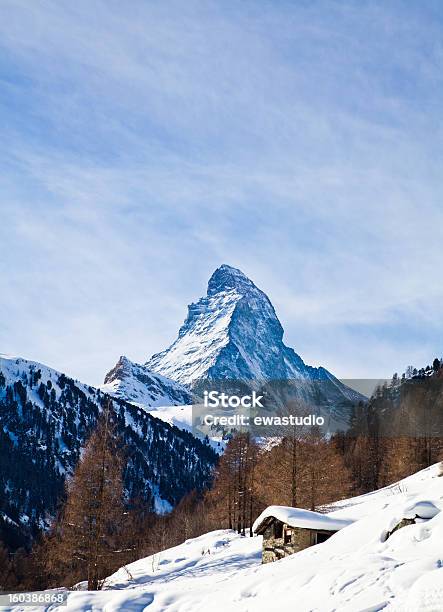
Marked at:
<point>86,541</point>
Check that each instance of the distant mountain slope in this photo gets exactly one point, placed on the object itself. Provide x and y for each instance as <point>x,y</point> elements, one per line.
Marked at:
<point>45,417</point>
<point>165,399</point>
<point>137,384</point>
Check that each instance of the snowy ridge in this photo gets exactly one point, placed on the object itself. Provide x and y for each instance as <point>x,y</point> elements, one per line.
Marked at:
<point>13,367</point>
<point>410,487</point>
<point>138,384</point>
<point>165,399</point>
<point>359,568</point>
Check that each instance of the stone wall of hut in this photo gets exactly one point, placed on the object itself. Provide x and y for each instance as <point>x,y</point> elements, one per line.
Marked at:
<point>276,548</point>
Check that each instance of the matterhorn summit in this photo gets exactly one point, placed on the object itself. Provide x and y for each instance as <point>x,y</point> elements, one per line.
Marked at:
<point>232,333</point>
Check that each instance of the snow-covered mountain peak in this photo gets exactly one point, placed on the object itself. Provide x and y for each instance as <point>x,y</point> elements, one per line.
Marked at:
<point>231,333</point>
<point>227,278</point>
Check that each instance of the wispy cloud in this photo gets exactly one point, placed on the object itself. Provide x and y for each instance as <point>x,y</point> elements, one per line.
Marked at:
<point>143,144</point>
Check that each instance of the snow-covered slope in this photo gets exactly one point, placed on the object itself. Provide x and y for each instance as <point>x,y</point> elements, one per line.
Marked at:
<point>15,368</point>
<point>163,398</point>
<point>357,569</point>
<point>138,384</point>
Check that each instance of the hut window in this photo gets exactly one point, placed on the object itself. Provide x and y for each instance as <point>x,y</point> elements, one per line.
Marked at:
<point>278,529</point>
<point>288,536</point>
<point>322,537</point>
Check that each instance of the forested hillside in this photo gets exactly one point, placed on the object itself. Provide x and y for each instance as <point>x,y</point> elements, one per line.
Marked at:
<point>45,418</point>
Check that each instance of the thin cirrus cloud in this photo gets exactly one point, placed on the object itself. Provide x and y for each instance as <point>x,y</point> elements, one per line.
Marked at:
<point>146,143</point>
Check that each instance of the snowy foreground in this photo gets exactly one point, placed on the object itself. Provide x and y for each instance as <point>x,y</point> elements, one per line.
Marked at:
<point>356,569</point>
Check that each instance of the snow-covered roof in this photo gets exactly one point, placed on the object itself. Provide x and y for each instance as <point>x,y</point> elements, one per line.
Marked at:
<point>298,517</point>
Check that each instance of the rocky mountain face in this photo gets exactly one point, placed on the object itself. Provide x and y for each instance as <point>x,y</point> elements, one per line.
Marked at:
<point>45,418</point>
<point>232,333</point>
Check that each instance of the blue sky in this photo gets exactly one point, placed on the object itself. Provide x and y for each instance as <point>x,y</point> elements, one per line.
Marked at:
<point>145,143</point>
